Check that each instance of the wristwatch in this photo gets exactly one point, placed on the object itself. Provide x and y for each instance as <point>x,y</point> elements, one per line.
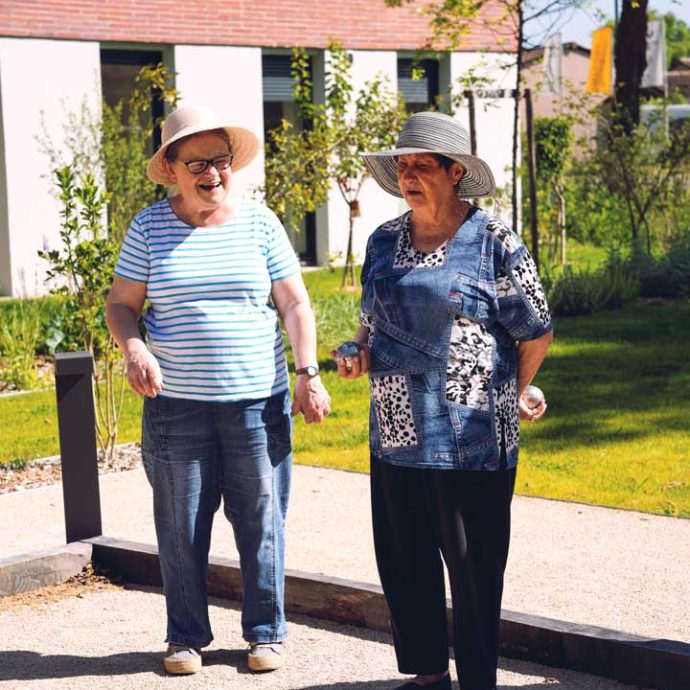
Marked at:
<point>310,371</point>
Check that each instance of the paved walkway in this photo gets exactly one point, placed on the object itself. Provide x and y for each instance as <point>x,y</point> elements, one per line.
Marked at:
<point>615,569</point>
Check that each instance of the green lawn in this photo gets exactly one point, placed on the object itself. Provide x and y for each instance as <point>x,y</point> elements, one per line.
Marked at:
<point>616,433</point>
<point>29,424</point>
<point>585,255</point>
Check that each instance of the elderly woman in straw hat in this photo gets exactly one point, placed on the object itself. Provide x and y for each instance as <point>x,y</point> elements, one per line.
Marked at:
<point>454,327</point>
<point>217,274</point>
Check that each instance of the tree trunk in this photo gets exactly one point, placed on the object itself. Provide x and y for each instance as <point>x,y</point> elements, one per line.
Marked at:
<point>630,62</point>
<point>349,271</point>
<point>560,193</point>
<point>532,169</point>
<point>516,115</point>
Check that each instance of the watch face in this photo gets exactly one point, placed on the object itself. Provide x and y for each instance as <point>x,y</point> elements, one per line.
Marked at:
<point>309,370</point>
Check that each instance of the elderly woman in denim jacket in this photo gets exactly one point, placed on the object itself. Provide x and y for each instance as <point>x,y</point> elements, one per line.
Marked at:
<point>454,327</point>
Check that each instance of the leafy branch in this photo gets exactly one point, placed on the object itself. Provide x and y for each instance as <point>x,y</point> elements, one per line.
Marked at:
<point>303,163</point>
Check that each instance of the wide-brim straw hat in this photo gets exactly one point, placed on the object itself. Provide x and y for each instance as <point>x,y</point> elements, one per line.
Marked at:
<point>193,119</point>
<point>431,132</point>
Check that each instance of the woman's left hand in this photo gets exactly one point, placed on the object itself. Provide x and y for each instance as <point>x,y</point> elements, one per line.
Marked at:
<point>531,414</point>
<point>311,399</point>
<point>352,367</point>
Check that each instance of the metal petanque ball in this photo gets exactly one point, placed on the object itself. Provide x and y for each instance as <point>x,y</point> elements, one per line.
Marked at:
<point>348,349</point>
<point>533,396</point>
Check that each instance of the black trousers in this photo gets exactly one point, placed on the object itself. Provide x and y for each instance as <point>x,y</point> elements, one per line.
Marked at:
<point>421,518</point>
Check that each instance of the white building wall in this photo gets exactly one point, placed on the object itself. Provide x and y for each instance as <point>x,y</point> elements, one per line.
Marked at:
<point>37,77</point>
<point>376,205</point>
<point>65,74</point>
<point>494,118</point>
<point>236,95</point>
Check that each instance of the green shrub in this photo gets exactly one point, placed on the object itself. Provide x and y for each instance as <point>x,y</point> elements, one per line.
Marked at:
<point>575,292</point>
<point>59,331</point>
<point>669,276</point>
<point>619,284</point>
<point>20,336</point>
<point>595,214</point>
<point>62,328</point>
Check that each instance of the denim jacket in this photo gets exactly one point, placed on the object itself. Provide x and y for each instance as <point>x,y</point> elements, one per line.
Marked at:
<point>443,331</point>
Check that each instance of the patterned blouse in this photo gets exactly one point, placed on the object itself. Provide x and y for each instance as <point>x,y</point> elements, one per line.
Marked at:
<point>475,347</point>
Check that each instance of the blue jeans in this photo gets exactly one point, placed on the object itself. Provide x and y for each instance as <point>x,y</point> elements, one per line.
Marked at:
<point>194,452</point>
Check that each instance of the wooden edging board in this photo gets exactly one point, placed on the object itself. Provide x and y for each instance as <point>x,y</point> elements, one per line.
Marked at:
<point>656,663</point>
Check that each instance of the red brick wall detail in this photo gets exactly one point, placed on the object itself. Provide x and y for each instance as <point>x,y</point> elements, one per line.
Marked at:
<point>358,24</point>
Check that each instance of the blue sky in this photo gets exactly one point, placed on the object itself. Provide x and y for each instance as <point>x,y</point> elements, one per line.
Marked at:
<point>577,25</point>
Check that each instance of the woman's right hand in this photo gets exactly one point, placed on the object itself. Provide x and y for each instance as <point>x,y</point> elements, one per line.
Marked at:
<point>143,372</point>
<point>352,367</point>
<point>122,310</point>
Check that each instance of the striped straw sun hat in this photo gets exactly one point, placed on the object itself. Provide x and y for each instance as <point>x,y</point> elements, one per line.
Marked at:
<point>431,132</point>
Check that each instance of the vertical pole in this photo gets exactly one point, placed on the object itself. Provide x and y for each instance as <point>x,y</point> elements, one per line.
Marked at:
<point>533,221</point>
<point>514,188</point>
<point>516,113</point>
<point>469,95</point>
<point>615,18</point>
<point>78,454</point>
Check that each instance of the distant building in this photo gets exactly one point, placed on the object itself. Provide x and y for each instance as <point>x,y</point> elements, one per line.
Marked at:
<point>575,68</point>
<point>231,54</point>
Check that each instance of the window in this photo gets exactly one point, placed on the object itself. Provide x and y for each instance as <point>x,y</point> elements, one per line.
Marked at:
<point>279,105</point>
<point>419,94</point>
<point>118,70</point>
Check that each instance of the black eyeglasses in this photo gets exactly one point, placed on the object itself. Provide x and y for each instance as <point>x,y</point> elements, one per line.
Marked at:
<point>196,167</point>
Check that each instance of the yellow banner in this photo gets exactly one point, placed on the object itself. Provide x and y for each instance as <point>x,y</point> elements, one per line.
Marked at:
<point>599,79</point>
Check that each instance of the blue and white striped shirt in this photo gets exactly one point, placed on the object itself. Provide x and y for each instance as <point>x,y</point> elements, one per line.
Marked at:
<point>210,323</point>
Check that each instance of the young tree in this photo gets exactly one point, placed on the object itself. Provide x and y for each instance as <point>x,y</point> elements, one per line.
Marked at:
<point>677,37</point>
<point>127,131</point>
<point>301,165</point>
<point>82,270</point>
<point>554,147</point>
<point>113,145</point>
<point>642,168</point>
<point>101,173</point>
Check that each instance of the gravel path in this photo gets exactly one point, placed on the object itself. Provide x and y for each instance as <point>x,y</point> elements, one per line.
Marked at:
<point>616,569</point>
<point>109,639</point>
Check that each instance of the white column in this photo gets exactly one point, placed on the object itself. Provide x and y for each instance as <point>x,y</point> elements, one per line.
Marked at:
<point>38,78</point>
<point>227,79</point>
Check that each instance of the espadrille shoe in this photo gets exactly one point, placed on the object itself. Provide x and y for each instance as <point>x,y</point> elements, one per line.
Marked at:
<point>265,656</point>
<point>182,659</point>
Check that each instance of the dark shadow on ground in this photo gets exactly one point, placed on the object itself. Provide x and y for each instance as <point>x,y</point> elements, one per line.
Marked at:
<point>24,665</point>
<point>553,678</point>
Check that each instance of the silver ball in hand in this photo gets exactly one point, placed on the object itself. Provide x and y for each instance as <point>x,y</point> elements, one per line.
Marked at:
<point>533,396</point>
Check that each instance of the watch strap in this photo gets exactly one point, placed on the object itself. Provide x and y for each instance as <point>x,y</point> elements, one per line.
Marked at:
<point>309,371</point>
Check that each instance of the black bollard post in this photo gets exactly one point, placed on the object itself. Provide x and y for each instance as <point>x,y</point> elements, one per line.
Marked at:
<point>79,457</point>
